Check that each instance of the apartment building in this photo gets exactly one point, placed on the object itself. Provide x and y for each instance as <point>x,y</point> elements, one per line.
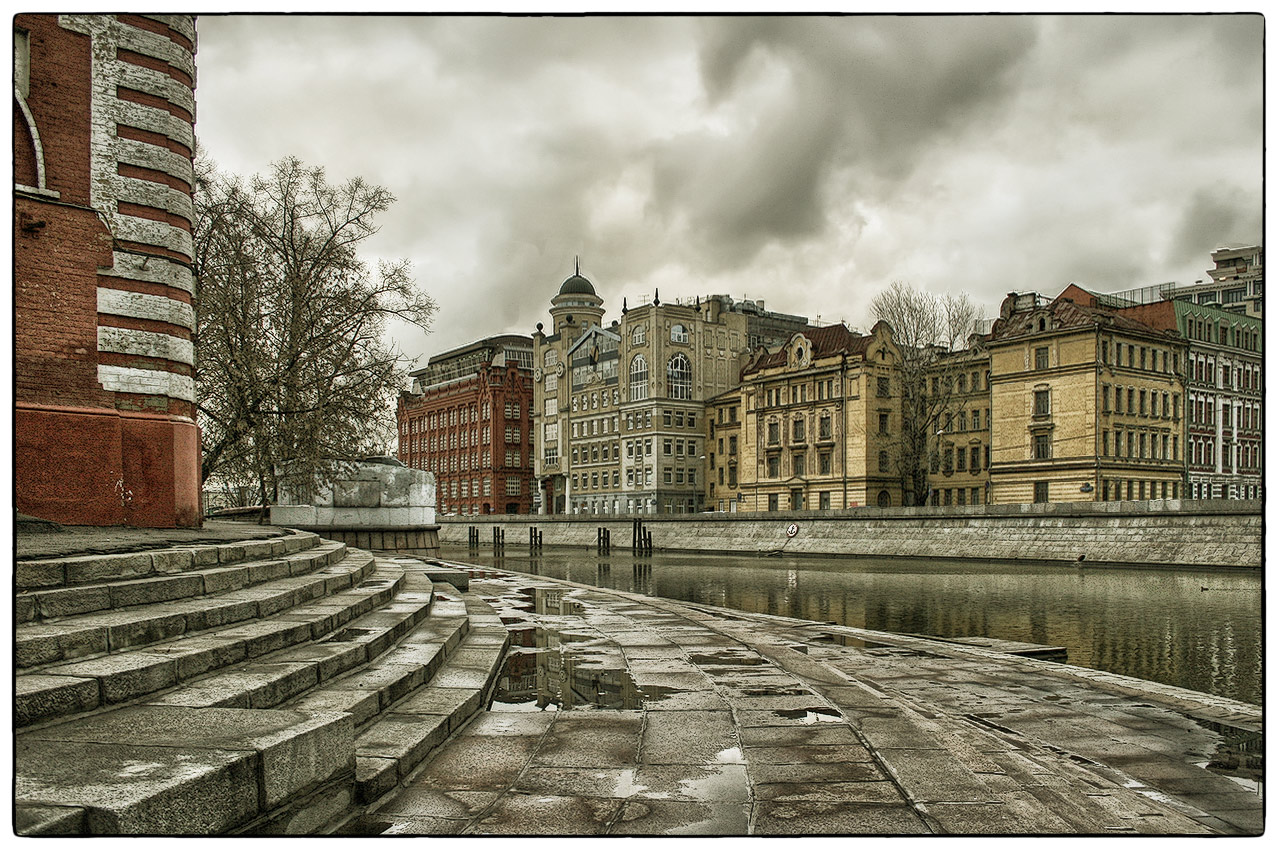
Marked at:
<point>618,411</point>
<point>820,423</point>
<point>467,419</point>
<point>1085,403</point>
<point>959,456</point>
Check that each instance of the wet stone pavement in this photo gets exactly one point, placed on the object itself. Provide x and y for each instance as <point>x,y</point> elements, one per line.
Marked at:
<point>619,714</point>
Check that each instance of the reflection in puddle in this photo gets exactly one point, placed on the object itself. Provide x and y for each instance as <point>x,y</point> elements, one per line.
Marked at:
<point>848,640</point>
<point>561,665</point>
<point>810,715</point>
<point>1239,756</point>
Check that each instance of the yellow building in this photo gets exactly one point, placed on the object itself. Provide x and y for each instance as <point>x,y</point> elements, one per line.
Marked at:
<point>724,452</point>
<point>1085,404</point>
<point>821,417</point>
<point>959,448</point>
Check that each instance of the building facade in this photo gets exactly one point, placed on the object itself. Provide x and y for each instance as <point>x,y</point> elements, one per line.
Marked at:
<point>819,420</point>
<point>468,419</point>
<point>619,410</point>
<point>1086,404</point>
<point>104,399</point>
<point>1224,413</point>
<point>959,456</point>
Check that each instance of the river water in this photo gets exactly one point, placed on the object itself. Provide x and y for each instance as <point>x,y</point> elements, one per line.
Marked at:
<point>1199,630</point>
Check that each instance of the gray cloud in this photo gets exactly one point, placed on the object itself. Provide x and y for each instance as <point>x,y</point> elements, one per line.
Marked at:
<point>808,161</point>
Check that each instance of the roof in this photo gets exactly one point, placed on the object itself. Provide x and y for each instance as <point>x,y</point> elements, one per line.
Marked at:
<point>1068,314</point>
<point>828,340</point>
<point>577,285</point>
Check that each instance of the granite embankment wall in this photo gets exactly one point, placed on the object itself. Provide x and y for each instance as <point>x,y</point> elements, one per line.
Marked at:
<point>1172,533</point>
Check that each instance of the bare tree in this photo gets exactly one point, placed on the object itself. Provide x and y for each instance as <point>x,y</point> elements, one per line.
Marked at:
<point>928,329</point>
<point>292,365</point>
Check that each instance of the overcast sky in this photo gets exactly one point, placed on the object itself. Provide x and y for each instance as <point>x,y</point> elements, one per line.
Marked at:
<point>806,161</point>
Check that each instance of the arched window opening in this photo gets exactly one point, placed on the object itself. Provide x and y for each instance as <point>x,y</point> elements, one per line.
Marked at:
<point>679,373</point>
<point>638,378</point>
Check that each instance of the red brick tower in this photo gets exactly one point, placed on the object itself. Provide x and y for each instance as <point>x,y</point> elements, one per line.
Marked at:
<point>103,131</point>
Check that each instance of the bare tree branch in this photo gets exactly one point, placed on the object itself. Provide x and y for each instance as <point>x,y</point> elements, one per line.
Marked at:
<point>292,365</point>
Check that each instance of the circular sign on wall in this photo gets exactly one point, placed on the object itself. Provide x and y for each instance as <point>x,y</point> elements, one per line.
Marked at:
<point>792,529</point>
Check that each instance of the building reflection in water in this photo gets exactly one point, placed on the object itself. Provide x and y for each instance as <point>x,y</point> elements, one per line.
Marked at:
<point>1199,630</point>
<point>552,667</point>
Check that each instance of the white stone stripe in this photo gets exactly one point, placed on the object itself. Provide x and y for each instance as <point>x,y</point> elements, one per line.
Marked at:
<point>140,305</point>
<point>151,232</point>
<point>156,158</point>
<point>121,379</point>
<point>146,344</point>
<point>151,269</point>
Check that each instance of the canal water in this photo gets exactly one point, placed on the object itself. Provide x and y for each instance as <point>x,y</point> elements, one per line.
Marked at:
<point>1199,630</point>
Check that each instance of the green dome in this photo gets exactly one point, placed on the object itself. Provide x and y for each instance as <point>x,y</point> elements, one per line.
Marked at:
<point>577,285</point>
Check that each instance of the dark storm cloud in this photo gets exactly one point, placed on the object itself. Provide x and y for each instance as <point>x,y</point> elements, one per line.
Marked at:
<point>808,160</point>
<point>866,95</point>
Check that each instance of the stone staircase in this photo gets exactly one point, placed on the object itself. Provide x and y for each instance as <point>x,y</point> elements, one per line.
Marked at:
<point>271,686</point>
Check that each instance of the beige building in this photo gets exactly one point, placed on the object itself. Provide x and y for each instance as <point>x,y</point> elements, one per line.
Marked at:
<point>618,411</point>
<point>1085,404</point>
<point>819,422</point>
<point>959,449</point>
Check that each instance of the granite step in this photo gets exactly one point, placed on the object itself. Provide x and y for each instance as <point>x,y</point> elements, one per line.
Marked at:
<point>69,571</point>
<point>170,770</point>
<point>404,734</point>
<point>58,690</point>
<point>53,604</point>
<point>84,635</point>
<point>280,676</point>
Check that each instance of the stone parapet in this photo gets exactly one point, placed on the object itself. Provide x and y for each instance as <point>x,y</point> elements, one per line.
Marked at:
<point>1130,534</point>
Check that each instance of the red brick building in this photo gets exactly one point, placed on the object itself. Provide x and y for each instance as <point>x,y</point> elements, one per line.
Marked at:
<point>467,419</point>
<point>103,130</point>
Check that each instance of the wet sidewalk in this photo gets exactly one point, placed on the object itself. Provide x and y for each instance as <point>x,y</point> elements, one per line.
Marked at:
<point>628,715</point>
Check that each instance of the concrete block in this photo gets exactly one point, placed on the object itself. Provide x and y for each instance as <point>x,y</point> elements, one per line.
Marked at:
<point>406,739</point>
<point>147,591</point>
<point>36,574</point>
<point>49,820</point>
<point>172,560</point>
<point>374,777</point>
<point>107,567</point>
<point>65,602</point>
<point>225,579</point>
<point>290,752</point>
<point>41,696</point>
<point>125,676</point>
<point>123,633</point>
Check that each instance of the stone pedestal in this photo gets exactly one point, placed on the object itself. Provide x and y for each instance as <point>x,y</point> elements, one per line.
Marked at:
<point>380,504</point>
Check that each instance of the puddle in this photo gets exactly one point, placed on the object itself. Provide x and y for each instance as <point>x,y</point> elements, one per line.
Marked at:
<point>1239,756</point>
<point>810,715</point>
<point>777,691</point>
<point>732,659</point>
<point>348,634</point>
<point>848,640</point>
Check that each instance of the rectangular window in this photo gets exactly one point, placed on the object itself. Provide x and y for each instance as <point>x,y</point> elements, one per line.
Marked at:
<point>824,427</point>
<point>773,501</point>
<point>1042,447</point>
<point>976,458</point>
<point>800,463</point>
<point>732,445</point>
<point>883,423</point>
<point>1040,491</point>
<point>774,466</point>
<point>774,433</point>
<point>732,476</point>
<point>823,461</point>
<point>1042,402</point>
<point>1040,358</point>
<point>823,500</point>
<point>800,430</point>
<point>884,386</point>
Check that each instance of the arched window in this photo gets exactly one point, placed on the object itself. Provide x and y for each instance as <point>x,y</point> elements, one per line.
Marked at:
<point>638,335</point>
<point>678,333</point>
<point>638,378</point>
<point>679,373</point>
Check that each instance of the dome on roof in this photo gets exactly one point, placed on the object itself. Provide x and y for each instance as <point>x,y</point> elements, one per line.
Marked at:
<point>577,285</point>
